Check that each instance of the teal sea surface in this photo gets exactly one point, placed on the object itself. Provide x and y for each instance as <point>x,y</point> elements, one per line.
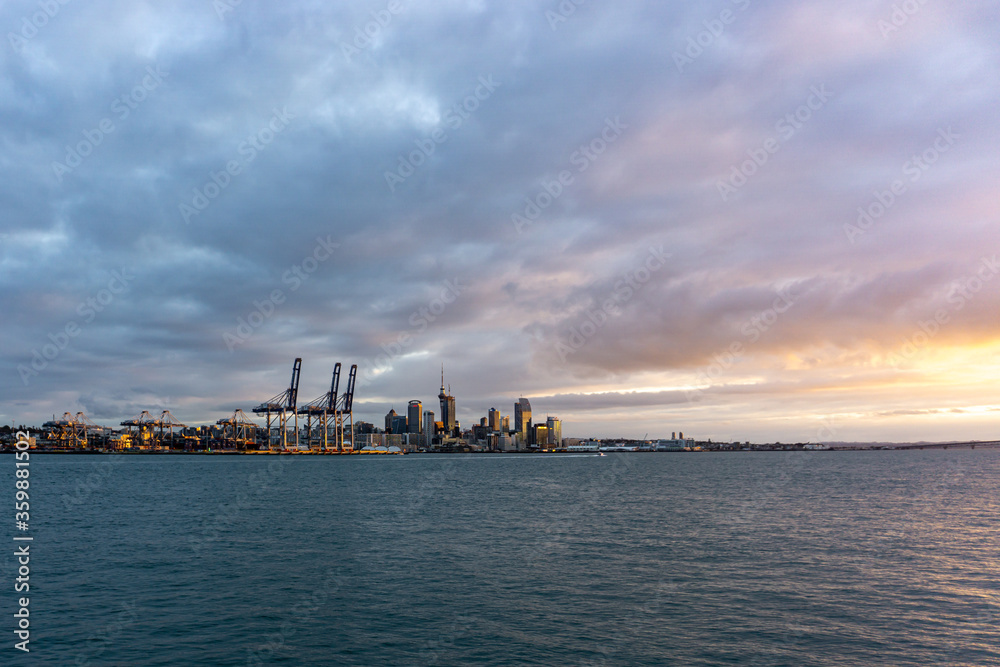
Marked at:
<point>745,558</point>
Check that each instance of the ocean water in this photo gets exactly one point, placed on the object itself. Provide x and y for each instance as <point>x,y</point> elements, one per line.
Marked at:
<point>797,558</point>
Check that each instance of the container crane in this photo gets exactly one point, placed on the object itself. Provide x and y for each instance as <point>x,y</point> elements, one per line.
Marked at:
<point>339,407</point>
<point>167,422</point>
<point>320,410</point>
<point>238,431</point>
<point>345,418</point>
<point>279,407</point>
<point>144,434</point>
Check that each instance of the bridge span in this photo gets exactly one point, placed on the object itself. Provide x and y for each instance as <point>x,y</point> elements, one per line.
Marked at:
<point>952,445</point>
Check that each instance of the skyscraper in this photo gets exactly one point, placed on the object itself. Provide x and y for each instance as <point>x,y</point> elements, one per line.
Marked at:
<point>413,415</point>
<point>428,425</point>
<point>522,418</point>
<point>388,420</point>
<point>447,407</point>
<point>399,424</point>
<point>494,419</point>
<point>555,431</point>
<point>540,436</point>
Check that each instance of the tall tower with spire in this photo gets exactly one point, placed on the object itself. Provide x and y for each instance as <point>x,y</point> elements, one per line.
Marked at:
<point>447,406</point>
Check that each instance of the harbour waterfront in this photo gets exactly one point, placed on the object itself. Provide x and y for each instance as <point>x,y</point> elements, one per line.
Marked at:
<point>766,558</point>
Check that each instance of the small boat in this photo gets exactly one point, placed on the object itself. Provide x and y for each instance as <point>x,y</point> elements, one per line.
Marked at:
<point>601,454</point>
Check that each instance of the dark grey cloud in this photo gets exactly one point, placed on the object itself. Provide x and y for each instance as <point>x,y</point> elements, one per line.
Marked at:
<point>312,128</point>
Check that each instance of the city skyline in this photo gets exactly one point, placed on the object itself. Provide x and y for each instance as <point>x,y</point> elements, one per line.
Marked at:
<point>744,221</point>
<point>496,419</point>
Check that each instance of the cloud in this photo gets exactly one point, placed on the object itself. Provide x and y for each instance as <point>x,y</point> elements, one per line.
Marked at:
<point>351,120</point>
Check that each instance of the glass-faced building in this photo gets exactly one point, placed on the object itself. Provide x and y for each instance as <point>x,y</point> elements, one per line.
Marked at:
<point>522,418</point>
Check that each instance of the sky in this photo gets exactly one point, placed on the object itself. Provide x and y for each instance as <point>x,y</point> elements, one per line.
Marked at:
<point>743,220</point>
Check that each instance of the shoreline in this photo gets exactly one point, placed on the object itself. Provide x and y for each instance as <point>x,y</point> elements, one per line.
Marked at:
<point>760,449</point>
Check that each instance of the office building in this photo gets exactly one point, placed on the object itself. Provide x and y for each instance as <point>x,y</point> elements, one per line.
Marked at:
<point>555,431</point>
<point>540,436</point>
<point>429,426</point>
<point>522,418</point>
<point>399,424</point>
<point>413,415</point>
